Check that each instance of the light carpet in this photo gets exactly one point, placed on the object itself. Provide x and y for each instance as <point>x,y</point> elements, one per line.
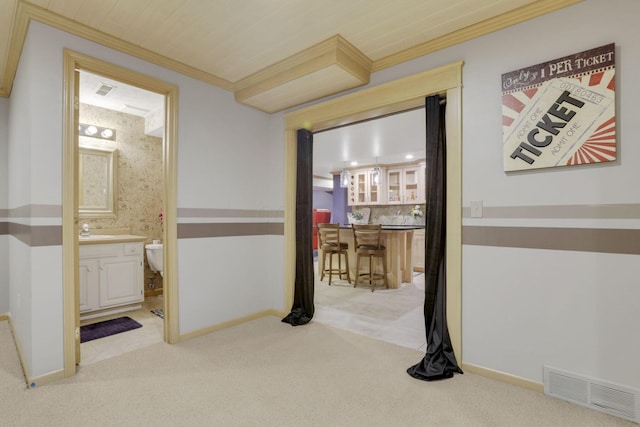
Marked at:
<point>267,373</point>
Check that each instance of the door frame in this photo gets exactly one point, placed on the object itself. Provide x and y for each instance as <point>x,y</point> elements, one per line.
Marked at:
<point>76,61</point>
<point>396,96</point>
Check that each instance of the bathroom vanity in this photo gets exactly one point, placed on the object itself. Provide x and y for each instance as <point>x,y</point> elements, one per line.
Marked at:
<point>111,270</point>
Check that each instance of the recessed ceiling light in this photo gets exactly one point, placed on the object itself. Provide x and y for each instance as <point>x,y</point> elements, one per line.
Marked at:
<point>354,163</point>
<point>409,156</point>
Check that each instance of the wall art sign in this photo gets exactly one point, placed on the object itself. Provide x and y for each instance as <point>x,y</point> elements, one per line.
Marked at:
<point>561,112</point>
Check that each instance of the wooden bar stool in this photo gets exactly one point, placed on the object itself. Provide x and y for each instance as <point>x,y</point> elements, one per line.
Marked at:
<point>330,244</point>
<point>367,240</point>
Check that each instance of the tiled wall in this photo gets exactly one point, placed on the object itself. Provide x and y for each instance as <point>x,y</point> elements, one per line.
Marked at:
<point>395,210</point>
<point>139,177</point>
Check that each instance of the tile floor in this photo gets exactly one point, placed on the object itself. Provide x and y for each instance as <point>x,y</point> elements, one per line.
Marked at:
<point>392,315</point>
<point>151,333</point>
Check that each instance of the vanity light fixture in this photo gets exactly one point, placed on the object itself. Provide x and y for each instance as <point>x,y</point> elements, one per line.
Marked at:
<point>97,132</point>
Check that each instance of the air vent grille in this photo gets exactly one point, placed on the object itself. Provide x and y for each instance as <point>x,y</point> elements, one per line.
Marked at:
<point>614,399</point>
<point>571,388</point>
<point>104,89</point>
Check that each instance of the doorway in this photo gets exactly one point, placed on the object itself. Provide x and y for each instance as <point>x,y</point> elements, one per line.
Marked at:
<point>76,63</point>
<point>398,95</point>
<point>123,124</point>
<point>392,142</point>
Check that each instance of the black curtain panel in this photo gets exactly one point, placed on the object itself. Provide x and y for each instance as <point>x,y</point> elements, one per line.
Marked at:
<point>302,309</point>
<point>439,361</point>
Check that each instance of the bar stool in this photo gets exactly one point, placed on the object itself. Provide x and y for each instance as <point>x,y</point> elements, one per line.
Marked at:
<point>330,244</point>
<point>367,240</point>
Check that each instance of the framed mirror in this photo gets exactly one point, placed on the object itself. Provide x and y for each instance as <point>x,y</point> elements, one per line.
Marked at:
<point>98,182</point>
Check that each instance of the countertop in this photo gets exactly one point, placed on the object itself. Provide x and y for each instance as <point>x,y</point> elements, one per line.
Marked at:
<point>95,239</point>
<point>399,227</point>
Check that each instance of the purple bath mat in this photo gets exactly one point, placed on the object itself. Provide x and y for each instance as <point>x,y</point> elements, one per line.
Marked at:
<point>107,328</point>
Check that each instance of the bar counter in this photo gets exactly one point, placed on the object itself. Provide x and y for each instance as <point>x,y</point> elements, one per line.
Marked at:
<point>397,239</point>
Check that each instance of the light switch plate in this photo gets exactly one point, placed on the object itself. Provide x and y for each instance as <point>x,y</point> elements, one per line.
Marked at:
<point>476,209</point>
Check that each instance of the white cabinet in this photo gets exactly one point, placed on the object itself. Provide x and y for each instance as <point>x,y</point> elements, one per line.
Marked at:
<point>111,275</point>
<point>365,188</point>
<point>406,185</point>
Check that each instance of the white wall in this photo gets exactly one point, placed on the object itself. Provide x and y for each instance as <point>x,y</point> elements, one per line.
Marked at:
<point>570,310</point>
<point>4,239</point>
<point>228,158</point>
<point>576,311</point>
<point>523,308</point>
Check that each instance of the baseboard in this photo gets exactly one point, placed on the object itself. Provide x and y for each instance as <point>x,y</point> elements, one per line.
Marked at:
<point>30,380</point>
<point>227,324</point>
<point>46,378</point>
<point>502,376</point>
<point>16,342</point>
<point>109,311</point>
<point>153,292</point>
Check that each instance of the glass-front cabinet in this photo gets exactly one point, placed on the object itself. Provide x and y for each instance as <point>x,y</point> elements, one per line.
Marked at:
<point>406,185</point>
<point>394,186</point>
<point>364,188</point>
<point>411,188</point>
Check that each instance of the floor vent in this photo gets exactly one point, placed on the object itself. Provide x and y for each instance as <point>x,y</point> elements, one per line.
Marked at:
<point>614,399</point>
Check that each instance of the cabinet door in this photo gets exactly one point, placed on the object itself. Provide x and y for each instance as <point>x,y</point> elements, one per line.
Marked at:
<point>394,188</point>
<point>422,184</point>
<point>358,188</point>
<point>120,281</point>
<point>410,188</point>
<point>418,250</point>
<point>375,187</point>
<point>88,282</point>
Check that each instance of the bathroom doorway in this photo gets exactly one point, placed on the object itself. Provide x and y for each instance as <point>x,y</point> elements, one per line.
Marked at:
<point>141,112</point>
<point>120,195</point>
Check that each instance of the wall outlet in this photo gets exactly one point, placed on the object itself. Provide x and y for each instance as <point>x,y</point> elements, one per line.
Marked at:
<point>476,209</point>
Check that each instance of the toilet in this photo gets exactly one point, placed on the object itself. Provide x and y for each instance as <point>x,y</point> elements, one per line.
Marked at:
<point>155,257</point>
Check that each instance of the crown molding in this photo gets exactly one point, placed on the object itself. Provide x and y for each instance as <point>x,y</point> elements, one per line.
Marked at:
<point>513,17</point>
<point>329,67</point>
<point>26,12</point>
<point>19,26</point>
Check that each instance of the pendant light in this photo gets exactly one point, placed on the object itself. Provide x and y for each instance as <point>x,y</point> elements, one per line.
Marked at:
<point>376,175</point>
<point>344,177</point>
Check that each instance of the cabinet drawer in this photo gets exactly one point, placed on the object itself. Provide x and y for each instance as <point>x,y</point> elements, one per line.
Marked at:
<point>133,248</point>
<point>100,251</point>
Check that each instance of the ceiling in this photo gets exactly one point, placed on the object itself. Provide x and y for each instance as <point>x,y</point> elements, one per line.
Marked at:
<point>272,54</point>
<point>383,141</point>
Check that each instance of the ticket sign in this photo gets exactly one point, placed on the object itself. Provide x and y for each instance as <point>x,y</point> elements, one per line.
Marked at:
<point>561,112</point>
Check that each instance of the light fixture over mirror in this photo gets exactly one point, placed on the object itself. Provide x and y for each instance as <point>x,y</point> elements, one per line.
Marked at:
<point>94,131</point>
